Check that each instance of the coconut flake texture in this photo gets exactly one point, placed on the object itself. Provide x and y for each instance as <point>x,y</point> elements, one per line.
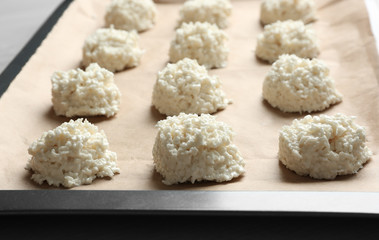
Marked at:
<point>296,84</point>
<point>85,93</point>
<point>212,11</point>
<point>281,10</point>
<point>323,146</point>
<point>287,37</point>
<point>72,154</point>
<point>139,15</point>
<point>190,148</point>
<point>112,49</point>
<point>186,87</point>
<point>204,42</point>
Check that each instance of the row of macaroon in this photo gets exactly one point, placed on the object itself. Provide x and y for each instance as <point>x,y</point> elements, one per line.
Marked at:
<point>116,49</point>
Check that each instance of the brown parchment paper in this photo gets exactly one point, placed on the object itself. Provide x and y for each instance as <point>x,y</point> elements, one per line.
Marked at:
<point>347,47</point>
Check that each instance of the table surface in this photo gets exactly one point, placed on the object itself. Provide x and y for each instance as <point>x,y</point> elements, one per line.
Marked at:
<point>19,20</point>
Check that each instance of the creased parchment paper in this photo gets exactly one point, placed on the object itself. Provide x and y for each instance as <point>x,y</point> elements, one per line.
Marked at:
<point>347,47</point>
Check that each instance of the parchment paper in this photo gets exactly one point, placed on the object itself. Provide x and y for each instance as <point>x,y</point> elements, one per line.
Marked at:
<point>347,47</point>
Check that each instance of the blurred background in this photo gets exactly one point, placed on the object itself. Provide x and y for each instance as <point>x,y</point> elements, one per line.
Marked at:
<point>19,20</point>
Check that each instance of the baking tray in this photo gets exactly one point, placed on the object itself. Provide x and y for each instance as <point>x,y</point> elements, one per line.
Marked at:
<point>183,202</point>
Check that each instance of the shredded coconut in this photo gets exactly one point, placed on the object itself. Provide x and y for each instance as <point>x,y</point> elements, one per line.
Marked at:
<point>187,87</point>
<point>190,148</point>
<point>296,84</point>
<point>85,93</point>
<point>212,11</point>
<point>112,49</point>
<point>204,42</point>
<point>139,15</point>
<point>72,154</point>
<point>323,146</point>
<point>287,37</point>
<point>281,10</point>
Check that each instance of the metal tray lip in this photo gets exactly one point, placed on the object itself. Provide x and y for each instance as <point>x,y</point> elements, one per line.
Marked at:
<point>187,202</point>
<point>166,202</point>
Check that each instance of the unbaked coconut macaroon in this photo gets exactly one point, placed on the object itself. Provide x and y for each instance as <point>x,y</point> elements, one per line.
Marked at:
<point>73,154</point>
<point>281,10</point>
<point>85,93</point>
<point>112,49</point>
<point>212,11</point>
<point>296,84</point>
<point>186,87</point>
<point>204,42</point>
<point>139,15</point>
<point>323,147</point>
<point>287,37</point>
<point>192,148</point>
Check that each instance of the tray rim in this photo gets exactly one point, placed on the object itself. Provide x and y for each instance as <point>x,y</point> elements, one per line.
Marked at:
<point>170,202</point>
<point>179,202</point>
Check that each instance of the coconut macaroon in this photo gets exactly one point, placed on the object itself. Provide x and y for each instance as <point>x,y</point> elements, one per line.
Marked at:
<point>296,84</point>
<point>186,87</point>
<point>323,147</point>
<point>281,10</point>
<point>139,15</point>
<point>204,42</point>
<point>85,93</point>
<point>190,148</point>
<point>287,37</point>
<point>212,11</point>
<point>73,154</point>
<point>112,49</point>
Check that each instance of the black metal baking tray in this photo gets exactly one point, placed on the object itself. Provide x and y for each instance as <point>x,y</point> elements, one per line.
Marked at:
<point>269,203</point>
